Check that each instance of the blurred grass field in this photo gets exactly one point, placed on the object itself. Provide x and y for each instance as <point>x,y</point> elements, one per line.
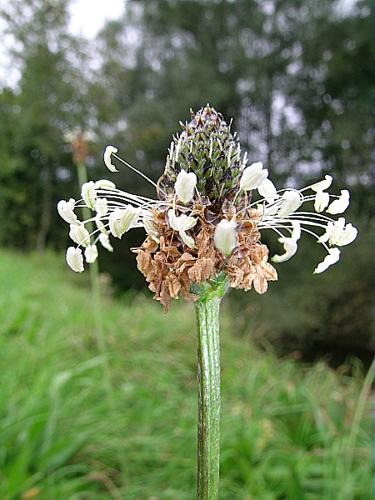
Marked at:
<point>288,431</point>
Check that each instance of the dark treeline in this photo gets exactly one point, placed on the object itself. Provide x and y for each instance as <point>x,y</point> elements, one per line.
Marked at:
<point>296,76</point>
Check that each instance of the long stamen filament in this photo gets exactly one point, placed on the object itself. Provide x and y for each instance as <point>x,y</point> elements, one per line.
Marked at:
<point>137,171</point>
<point>274,228</point>
<point>279,201</point>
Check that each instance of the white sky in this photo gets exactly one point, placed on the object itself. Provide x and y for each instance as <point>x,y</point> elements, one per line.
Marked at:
<point>87,19</point>
<point>89,16</point>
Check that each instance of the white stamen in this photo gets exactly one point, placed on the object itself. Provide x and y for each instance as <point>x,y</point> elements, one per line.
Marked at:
<point>79,234</point>
<point>322,185</point>
<point>74,259</point>
<point>100,225</point>
<point>290,244</point>
<point>290,247</point>
<point>65,209</point>
<point>105,184</point>
<point>91,254</point>
<point>101,206</point>
<point>89,194</point>
<point>339,206</point>
<point>182,224</point>
<point>253,176</point>
<point>339,234</point>
<point>185,185</point>
<point>150,228</point>
<point>109,151</point>
<point>225,236</point>
<point>104,240</point>
<point>321,201</point>
<point>291,200</point>
<point>137,171</point>
<point>329,260</point>
<point>268,191</point>
<point>121,220</point>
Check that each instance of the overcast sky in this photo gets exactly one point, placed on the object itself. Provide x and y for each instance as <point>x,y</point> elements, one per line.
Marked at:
<point>88,16</point>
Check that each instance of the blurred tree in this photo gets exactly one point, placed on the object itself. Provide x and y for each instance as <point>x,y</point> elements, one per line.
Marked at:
<point>39,114</point>
<point>332,90</point>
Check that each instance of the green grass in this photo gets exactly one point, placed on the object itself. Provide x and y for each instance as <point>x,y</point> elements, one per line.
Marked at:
<point>288,431</point>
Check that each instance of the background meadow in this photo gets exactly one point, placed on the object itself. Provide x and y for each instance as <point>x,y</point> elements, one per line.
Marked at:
<point>288,430</point>
<point>101,402</point>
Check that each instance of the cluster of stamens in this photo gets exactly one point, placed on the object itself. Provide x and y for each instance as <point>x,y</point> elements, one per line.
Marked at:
<point>205,222</point>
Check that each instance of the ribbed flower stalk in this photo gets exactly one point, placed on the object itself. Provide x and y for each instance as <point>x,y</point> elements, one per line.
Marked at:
<point>207,309</point>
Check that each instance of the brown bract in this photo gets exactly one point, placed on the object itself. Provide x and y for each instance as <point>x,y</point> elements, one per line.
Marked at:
<point>170,267</point>
<point>80,150</point>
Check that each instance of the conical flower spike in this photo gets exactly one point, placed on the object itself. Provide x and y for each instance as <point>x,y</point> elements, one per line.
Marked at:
<point>209,215</point>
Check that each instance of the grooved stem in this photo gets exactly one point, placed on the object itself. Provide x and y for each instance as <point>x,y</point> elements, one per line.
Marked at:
<point>207,312</point>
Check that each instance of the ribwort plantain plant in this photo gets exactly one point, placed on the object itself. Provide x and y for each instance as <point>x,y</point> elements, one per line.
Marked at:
<point>203,236</point>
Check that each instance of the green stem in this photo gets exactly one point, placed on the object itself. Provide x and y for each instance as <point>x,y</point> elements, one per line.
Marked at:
<point>96,299</point>
<point>207,311</point>
<point>82,179</point>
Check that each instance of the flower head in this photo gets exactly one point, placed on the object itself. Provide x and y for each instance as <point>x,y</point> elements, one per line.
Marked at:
<point>207,148</point>
<point>207,220</point>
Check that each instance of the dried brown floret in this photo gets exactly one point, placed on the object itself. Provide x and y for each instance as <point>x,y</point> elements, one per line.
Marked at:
<point>202,270</point>
<point>171,267</point>
<point>144,262</point>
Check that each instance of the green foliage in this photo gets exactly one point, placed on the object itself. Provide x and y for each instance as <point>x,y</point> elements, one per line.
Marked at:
<point>285,426</point>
